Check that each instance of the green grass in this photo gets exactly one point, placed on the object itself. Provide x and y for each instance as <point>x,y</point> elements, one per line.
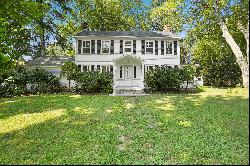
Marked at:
<point>210,127</point>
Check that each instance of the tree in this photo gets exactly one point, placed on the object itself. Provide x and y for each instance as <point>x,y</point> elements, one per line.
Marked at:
<point>69,71</point>
<point>167,13</point>
<point>14,32</point>
<point>217,63</point>
<point>222,16</point>
<point>54,50</point>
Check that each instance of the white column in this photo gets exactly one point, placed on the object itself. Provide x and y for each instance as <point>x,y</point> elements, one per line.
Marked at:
<point>142,75</point>
<point>114,74</point>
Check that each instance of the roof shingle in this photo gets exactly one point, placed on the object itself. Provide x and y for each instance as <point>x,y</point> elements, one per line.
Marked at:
<point>128,33</point>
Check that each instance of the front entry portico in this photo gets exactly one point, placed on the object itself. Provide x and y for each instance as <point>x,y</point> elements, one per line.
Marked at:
<point>128,73</point>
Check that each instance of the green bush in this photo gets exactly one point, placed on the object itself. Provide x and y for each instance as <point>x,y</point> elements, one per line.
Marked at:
<point>14,82</point>
<point>94,82</point>
<point>42,81</point>
<point>166,78</point>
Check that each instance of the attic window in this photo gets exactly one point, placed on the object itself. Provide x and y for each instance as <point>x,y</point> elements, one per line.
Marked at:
<point>105,47</point>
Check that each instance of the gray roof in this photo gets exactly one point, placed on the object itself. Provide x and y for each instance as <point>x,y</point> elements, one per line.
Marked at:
<point>128,33</point>
<point>50,61</point>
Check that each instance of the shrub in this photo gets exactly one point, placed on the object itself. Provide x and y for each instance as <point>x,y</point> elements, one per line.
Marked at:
<point>94,82</point>
<point>166,78</point>
<point>14,82</point>
<point>69,71</point>
<point>163,79</point>
<point>42,81</point>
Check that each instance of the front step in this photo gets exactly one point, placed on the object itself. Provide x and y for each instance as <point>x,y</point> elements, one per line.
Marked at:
<point>128,91</point>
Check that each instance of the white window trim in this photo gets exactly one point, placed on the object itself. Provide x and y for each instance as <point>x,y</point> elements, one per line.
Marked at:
<point>86,47</point>
<point>165,48</point>
<point>147,67</point>
<point>109,46</point>
<point>149,47</point>
<point>127,46</point>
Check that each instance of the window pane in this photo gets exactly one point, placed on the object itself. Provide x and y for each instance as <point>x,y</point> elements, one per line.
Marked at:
<point>84,68</point>
<point>127,49</point>
<point>128,43</point>
<point>87,43</point>
<point>121,72</point>
<point>86,50</point>
<point>105,50</point>
<point>168,47</point>
<point>134,71</point>
<point>92,67</point>
<point>149,50</point>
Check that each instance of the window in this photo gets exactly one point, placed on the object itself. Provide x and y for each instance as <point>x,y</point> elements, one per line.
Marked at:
<point>149,47</point>
<point>92,67</point>
<point>98,67</point>
<point>79,46</point>
<point>111,69</point>
<point>168,47</point>
<point>105,47</point>
<point>120,71</point>
<point>86,47</point>
<point>128,46</point>
<point>149,68</point>
<point>134,71</point>
<point>85,68</point>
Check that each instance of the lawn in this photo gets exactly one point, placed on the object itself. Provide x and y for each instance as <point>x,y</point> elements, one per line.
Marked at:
<point>210,127</point>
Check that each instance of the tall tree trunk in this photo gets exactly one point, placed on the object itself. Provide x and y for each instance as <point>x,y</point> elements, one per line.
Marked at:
<point>42,38</point>
<point>243,62</point>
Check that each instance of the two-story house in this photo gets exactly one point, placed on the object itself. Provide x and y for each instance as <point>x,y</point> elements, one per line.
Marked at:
<point>127,54</point>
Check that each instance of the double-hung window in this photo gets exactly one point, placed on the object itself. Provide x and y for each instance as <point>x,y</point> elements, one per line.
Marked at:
<point>86,47</point>
<point>128,46</point>
<point>149,47</point>
<point>105,47</point>
<point>169,47</point>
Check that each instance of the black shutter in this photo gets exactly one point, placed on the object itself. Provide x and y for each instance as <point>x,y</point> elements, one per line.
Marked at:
<point>162,47</point>
<point>98,46</point>
<point>92,46</point>
<point>175,47</point>
<point>156,47</point>
<point>79,46</point>
<point>121,46</point>
<point>143,46</point>
<point>112,47</point>
<point>134,46</point>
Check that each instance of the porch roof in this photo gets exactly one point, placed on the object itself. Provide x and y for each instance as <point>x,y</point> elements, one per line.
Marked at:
<point>128,57</point>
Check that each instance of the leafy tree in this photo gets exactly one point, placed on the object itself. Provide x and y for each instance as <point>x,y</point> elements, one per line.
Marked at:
<point>224,18</point>
<point>217,62</point>
<point>69,71</point>
<point>167,13</point>
<point>15,16</point>
<point>54,50</point>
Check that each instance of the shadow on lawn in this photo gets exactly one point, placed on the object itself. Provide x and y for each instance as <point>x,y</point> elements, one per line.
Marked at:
<point>159,129</point>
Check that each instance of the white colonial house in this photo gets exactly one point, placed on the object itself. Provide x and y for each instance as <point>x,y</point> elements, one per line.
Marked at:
<point>127,54</point>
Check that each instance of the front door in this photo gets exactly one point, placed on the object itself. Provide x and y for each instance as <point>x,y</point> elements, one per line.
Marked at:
<point>128,75</point>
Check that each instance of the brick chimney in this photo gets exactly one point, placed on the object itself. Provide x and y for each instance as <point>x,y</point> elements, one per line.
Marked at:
<point>167,28</point>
